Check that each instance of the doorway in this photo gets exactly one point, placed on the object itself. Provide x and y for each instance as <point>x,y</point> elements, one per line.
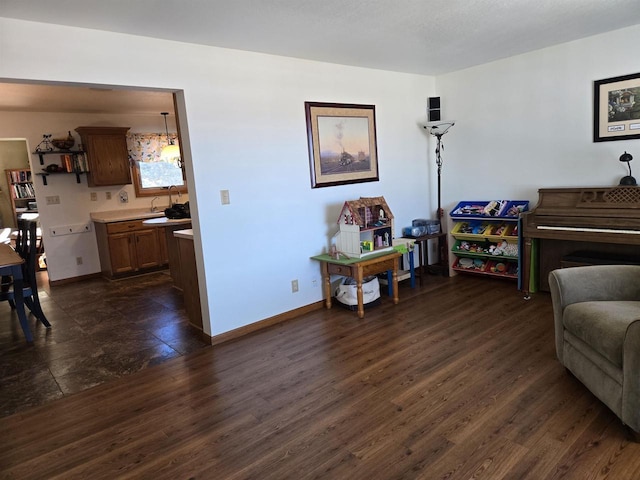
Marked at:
<point>14,155</point>
<point>58,109</point>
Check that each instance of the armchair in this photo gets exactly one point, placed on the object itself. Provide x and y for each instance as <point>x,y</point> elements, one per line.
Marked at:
<point>597,333</point>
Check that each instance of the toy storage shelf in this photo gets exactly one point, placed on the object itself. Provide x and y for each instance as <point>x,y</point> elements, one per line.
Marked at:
<point>487,237</point>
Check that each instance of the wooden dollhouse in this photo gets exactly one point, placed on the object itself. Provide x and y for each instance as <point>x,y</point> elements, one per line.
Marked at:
<point>366,227</point>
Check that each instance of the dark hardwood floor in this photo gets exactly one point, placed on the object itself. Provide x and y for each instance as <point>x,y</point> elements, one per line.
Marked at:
<point>102,330</point>
<point>458,381</point>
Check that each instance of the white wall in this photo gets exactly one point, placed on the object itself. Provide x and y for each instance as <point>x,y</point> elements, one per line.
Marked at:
<point>245,132</point>
<point>526,122</point>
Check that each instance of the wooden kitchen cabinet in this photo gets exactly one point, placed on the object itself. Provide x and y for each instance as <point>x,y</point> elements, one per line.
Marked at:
<point>172,255</point>
<point>189,278</point>
<point>107,155</point>
<point>162,245</point>
<point>128,247</point>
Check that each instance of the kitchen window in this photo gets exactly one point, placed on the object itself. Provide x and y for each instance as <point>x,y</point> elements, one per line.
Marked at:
<point>153,174</point>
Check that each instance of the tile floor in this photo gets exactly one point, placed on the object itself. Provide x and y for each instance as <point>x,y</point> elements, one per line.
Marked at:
<point>101,330</point>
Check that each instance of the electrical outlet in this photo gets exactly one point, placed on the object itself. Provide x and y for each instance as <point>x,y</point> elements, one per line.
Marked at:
<point>94,196</point>
<point>108,195</point>
<point>78,260</point>
<point>294,286</point>
<point>124,196</point>
<point>53,200</point>
<point>224,197</point>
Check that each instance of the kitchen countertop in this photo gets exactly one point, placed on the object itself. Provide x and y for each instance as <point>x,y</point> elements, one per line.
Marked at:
<point>161,221</point>
<point>123,215</point>
<point>187,233</point>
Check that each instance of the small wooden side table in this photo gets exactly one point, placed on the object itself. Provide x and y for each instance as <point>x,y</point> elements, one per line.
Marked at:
<point>358,268</point>
<point>443,251</point>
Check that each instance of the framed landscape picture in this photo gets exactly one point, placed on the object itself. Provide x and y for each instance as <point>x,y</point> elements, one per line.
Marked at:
<point>616,108</point>
<point>342,143</point>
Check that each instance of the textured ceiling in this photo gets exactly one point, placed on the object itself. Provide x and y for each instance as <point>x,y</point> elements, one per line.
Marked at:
<point>418,36</point>
<point>428,37</point>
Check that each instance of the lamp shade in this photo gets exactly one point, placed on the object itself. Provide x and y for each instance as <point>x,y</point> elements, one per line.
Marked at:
<point>439,128</point>
<point>170,152</point>
<point>626,157</point>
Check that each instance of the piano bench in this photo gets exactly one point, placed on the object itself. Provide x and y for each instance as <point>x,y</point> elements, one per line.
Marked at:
<point>584,258</point>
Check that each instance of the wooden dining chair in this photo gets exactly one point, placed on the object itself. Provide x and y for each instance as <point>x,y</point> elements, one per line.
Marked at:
<point>27,247</point>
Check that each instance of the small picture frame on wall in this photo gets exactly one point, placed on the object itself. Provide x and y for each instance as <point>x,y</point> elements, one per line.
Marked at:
<point>342,143</point>
<point>616,108</point>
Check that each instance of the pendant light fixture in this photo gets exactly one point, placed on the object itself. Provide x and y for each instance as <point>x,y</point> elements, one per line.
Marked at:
<point>171,152</point>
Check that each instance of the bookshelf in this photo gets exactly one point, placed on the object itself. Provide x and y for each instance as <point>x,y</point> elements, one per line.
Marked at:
<point>21,192</point>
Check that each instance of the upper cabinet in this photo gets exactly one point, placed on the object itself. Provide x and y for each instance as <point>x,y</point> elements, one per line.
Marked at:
<point>107,155</point>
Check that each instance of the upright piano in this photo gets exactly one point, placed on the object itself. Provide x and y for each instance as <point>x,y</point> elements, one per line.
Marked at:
<point>603,221</point>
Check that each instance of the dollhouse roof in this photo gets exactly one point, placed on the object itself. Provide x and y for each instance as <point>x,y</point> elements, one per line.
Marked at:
<point>353,207</point>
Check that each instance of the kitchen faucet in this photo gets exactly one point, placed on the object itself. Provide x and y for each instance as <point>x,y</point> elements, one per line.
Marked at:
<point>179,194</point>
<point>153,207</point>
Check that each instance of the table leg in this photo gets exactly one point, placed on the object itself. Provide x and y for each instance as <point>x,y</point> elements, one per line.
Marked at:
<point>326,282</point>
<point>422,267</point>
<point>396,296</point>
<point>18,297</point>
<point>359,293</point>
<point>412,269</point>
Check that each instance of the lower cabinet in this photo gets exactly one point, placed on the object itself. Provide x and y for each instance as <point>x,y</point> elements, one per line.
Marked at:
<point>129,247</point>
<point>189,280</point>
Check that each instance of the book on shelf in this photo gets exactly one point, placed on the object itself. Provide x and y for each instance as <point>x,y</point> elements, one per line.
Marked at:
<point>23,190</point>
<point>19,176</point>
<point>80,163</point>
<point>67,164</point>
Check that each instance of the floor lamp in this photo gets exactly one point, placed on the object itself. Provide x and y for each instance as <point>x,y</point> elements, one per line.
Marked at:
<point>438,129</point>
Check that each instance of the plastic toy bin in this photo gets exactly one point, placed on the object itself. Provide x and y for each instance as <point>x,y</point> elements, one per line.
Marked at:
<point>470,264</point>
<point>476,209</point>
<point>513,205</point>
<point>469,230</point>
<point>469,209</point>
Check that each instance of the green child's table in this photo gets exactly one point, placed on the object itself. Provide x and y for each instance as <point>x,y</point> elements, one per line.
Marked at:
<point>359,268</point>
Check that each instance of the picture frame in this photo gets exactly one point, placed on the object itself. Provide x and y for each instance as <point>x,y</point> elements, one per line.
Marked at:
<point>616,108</point>
<point>342,143</point>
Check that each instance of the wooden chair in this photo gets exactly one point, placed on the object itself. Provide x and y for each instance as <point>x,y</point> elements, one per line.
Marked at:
<point>27,248</point>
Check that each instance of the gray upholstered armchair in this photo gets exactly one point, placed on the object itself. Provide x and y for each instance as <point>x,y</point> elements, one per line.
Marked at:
<point>597,331</point>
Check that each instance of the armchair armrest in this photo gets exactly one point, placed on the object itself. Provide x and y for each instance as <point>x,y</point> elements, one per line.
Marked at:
<point>631,386</point>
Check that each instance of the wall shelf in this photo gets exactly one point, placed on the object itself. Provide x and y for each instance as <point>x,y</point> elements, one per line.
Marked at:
<point>71,162</point>
<point>41,155</point>
<point>44,175</point>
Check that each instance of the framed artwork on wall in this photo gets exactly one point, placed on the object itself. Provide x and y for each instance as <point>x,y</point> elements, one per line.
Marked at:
<point>616,108</point>
<point>342,143</point>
